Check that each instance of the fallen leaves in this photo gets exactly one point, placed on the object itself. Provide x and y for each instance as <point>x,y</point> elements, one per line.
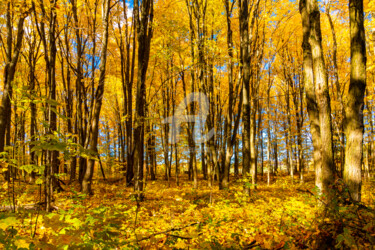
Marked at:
<point>274,217</point>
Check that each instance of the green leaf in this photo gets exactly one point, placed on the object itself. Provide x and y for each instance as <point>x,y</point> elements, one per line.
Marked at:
<point>8,222</point>
<point>39,181</point>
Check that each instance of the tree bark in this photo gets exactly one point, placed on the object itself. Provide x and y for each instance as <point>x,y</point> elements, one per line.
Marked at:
<point>339,93</point>
<point>354,126</point>
<point>93,142</point>
<point>325,174</point>
<point>143,23</point>
<point>317,95</point>
<point>9,71</point>
<point>245,62</point>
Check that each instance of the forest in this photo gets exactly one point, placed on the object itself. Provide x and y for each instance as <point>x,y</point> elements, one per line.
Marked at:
<point>187,124</point>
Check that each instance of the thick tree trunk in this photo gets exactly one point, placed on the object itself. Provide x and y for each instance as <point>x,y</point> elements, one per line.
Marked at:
<point>308,76</point>
<point>354,126</point>
<point>317,95</point>
<point>325,174</point>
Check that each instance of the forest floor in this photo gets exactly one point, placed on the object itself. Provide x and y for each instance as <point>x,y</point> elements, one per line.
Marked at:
<point>283,215</point>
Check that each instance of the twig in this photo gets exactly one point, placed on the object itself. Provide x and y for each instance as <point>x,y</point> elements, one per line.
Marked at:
<point>251,245</point>
<point>308,191</point>
<point>36,223</point>
<point>166,232</point>
<point>178,236</point>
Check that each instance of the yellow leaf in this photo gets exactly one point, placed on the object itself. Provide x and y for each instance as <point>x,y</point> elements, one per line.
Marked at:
<point>8,222</point>
<point>21,243</point>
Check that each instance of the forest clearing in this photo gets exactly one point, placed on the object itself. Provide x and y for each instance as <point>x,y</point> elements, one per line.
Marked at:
<point>178,124</point>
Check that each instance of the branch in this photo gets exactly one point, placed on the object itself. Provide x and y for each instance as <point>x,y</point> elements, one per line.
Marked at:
<point>166,232</point>
<point>309,192</point>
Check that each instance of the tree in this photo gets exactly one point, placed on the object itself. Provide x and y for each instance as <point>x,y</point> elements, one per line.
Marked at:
<point>49,39</point>
<point>355,101</point>
<point>94,126</point>
<point>229,136</point>
<point>317,95</point>
<point>143,18</point>
<point>12,56</point>
<point>339,92</point>
<point>249,101</point>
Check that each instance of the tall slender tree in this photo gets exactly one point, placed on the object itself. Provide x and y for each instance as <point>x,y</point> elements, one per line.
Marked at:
<point>94,131</point>
<point>143,18</point>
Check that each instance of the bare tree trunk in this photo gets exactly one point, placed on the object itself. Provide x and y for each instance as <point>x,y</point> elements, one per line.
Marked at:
<point>50,59</point>
<point>228,134</point>
<point>289,132</point>
<point>269,136</point>
<point>317,97</point>
<point>248,90</point>
<point>143,23</point>
<point>339,92</point>
<point>354,126</point>
<point>308,76</point>
<point>153,154</point>
<point>191,107</point>
<point>9,71</point>
<point>81,124</point>
<point>253,145</point>
<point>32,58</point>
<point>200,15</point>
<point>299,104</point>
<point>127,77</point>
<point>93,141</point>
<point>325,174</point>
<point>245,62</point>
<point>68,97</point>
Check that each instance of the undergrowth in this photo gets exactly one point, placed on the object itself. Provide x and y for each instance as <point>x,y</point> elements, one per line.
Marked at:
<point>284,215</point>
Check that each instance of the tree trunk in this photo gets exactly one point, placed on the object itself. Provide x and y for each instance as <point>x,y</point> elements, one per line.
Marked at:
<point>228,134</point>
<point>94,131</point>
<point>9,71</point>
<point>354,126</point>
<point>143,23</point>
<point>324,175</point>
<point>317,95</point>
<point>339,93</point>
<point>245,62</point>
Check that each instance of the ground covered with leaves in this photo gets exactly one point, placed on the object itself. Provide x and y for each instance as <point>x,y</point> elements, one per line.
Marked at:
<point>283,215</point>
